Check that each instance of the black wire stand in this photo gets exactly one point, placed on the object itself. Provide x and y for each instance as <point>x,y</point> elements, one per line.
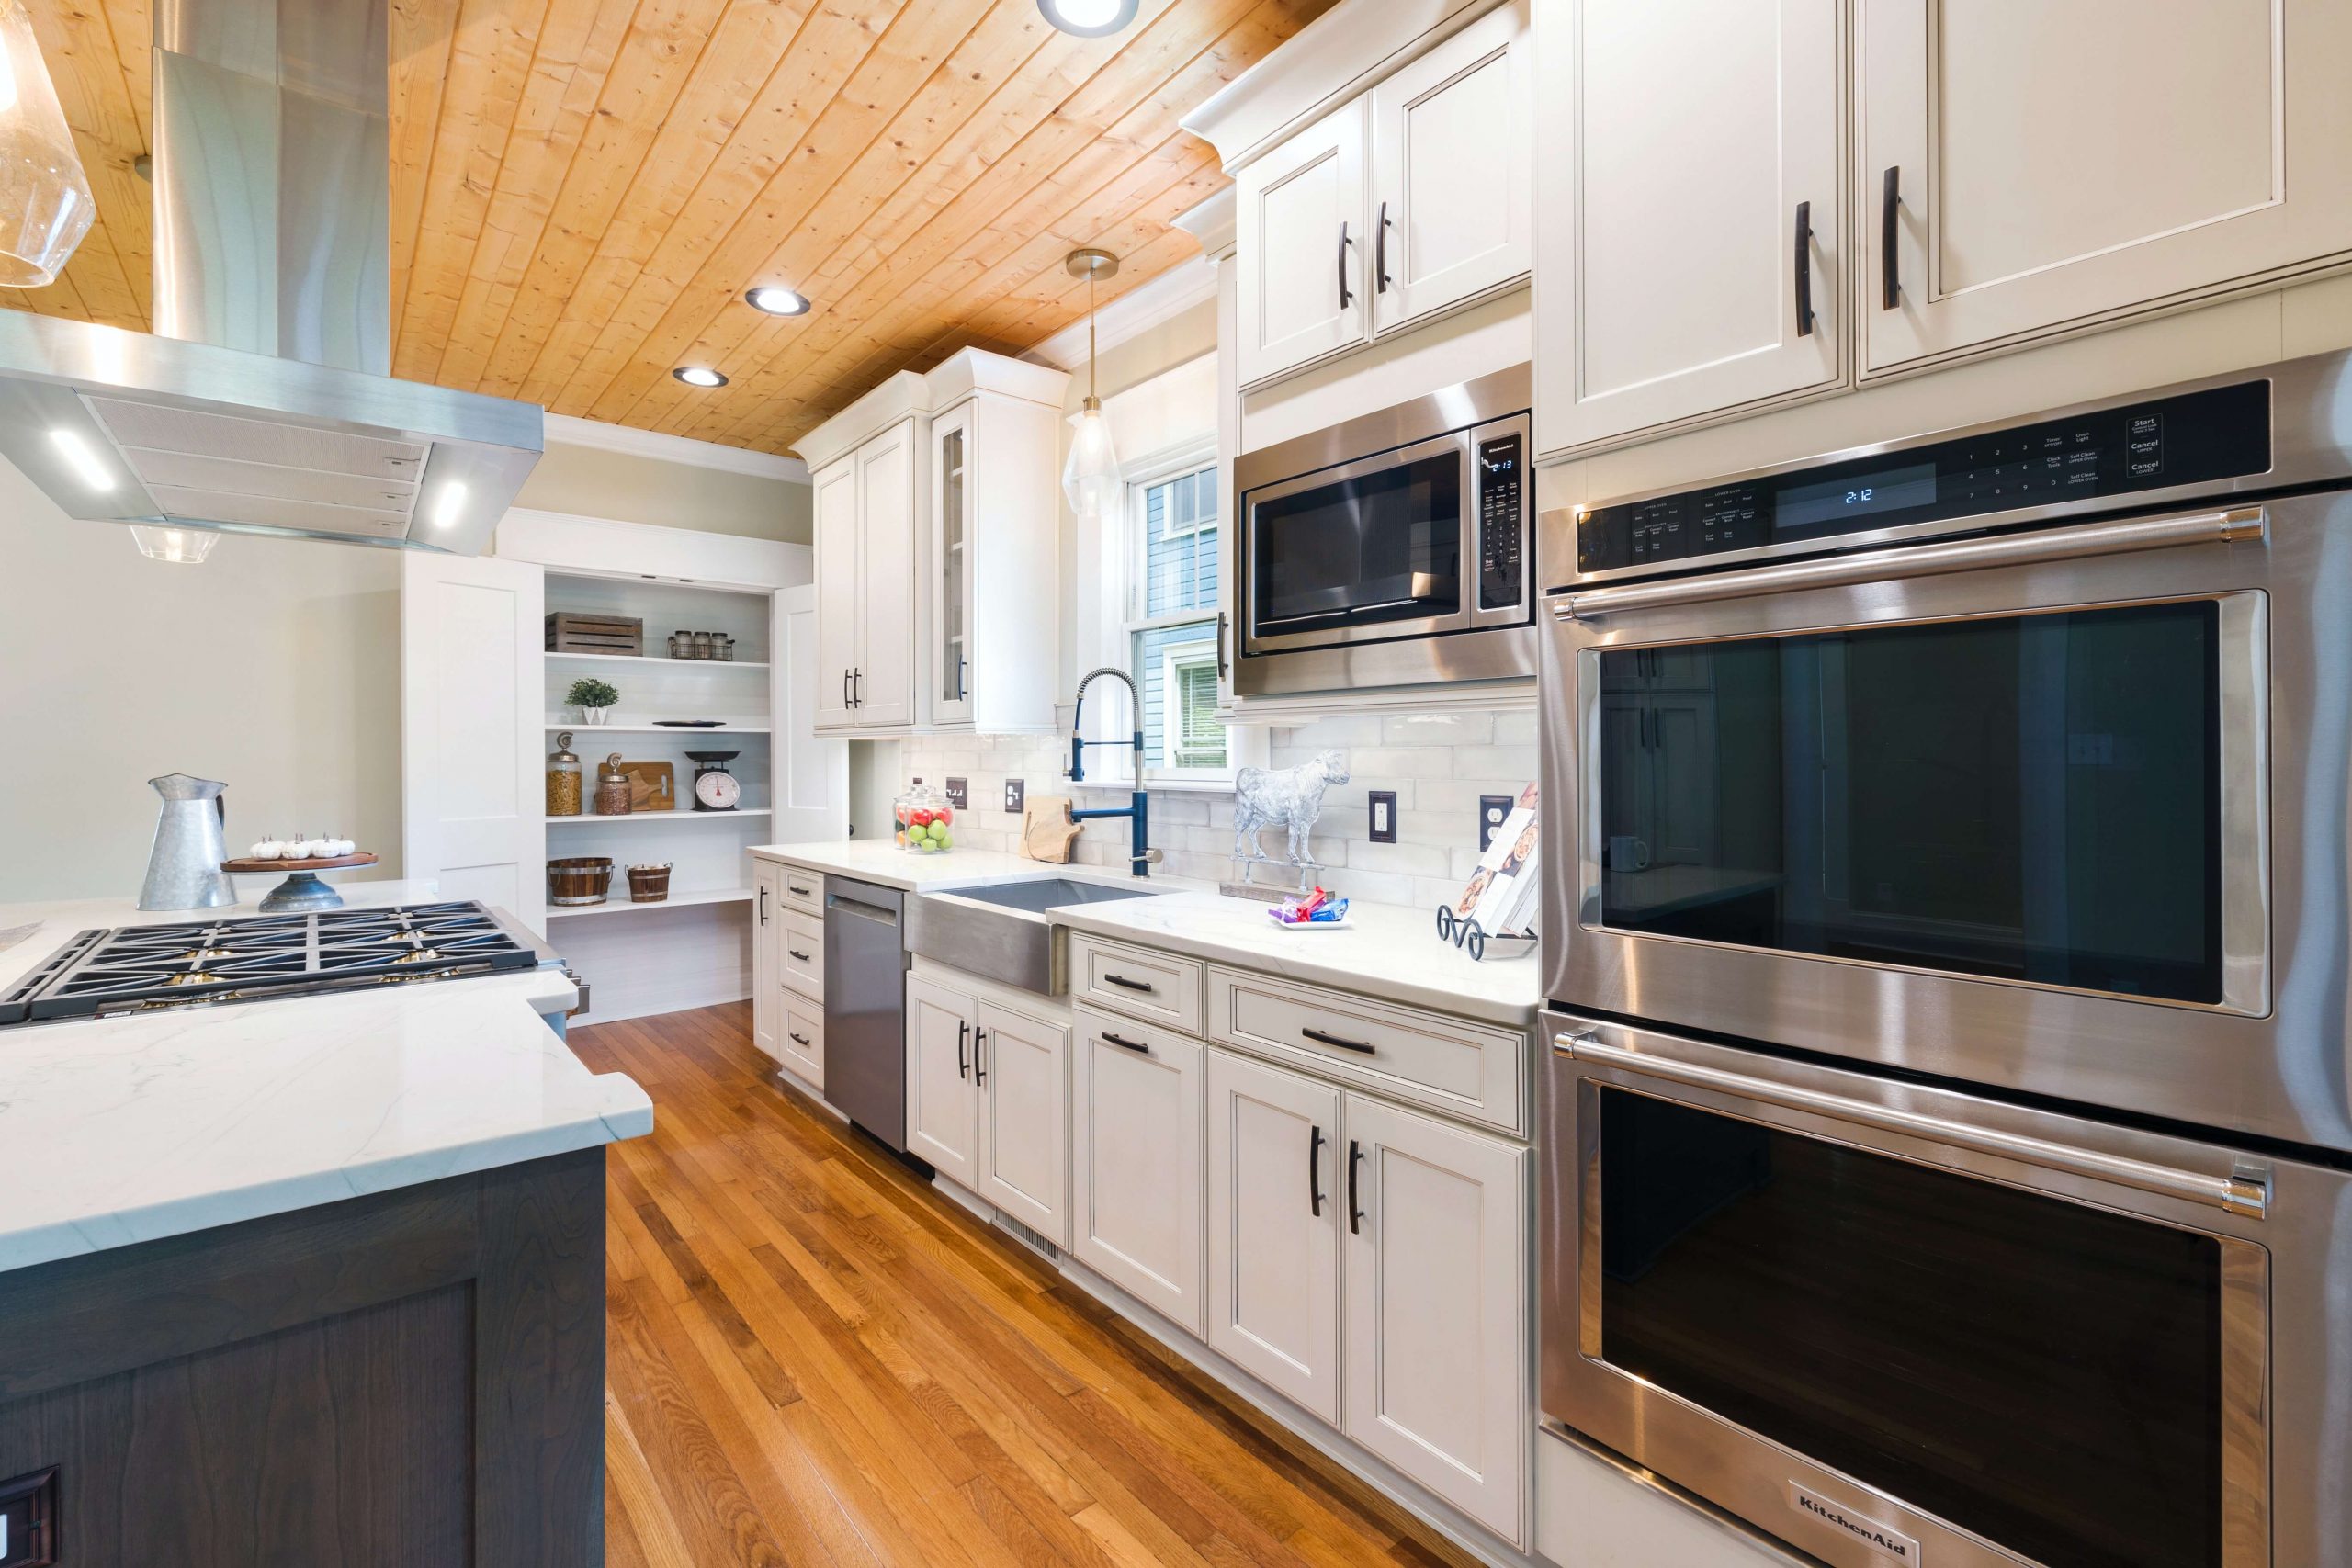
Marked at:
<point>1474,939</point>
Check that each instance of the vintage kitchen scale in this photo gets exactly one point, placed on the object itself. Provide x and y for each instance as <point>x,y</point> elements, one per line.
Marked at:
<point>715,789</point>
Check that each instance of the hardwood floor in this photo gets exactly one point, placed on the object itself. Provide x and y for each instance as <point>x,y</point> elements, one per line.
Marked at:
<point>816,1360</point>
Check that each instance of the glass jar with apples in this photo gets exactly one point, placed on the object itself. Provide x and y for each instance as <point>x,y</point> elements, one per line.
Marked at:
<point>923,821</point>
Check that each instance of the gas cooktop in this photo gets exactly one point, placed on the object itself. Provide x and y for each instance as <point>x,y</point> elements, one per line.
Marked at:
<point>103,974</point>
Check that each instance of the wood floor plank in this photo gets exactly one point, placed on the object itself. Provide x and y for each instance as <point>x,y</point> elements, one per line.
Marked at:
<point>819,1360</point>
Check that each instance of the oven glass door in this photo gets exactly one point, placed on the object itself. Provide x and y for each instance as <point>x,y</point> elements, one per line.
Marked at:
<point>2037,798</point>
<point>2045,1373</point>
<point>1372,545</point>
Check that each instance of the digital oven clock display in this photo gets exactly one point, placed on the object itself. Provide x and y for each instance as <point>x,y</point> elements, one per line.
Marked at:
<point>1801,508</point>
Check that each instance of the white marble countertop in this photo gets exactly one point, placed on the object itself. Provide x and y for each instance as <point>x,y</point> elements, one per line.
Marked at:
<point>123,1130</point>
<point>1383,951</point>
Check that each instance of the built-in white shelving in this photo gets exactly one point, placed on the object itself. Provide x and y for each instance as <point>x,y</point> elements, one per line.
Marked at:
<point>684,731</point>
<point>661,659</point>
<point>621,905</point>
<point>623,819</point>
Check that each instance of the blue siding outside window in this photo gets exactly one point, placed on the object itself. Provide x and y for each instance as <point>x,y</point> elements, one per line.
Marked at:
<point>1180,559</point>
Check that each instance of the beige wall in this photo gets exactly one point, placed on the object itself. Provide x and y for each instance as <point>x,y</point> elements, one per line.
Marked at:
<point>591,483</point>
<point>274,666</point>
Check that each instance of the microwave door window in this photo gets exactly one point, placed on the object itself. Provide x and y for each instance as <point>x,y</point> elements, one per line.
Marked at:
<point>2044,1373</point>
<point>1382,547</point>
<point>2031,798</point>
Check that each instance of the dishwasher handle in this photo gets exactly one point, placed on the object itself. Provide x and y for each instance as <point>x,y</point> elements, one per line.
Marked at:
<point>836,903</point>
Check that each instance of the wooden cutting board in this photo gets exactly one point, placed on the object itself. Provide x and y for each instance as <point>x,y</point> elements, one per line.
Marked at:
<point>653,786</point>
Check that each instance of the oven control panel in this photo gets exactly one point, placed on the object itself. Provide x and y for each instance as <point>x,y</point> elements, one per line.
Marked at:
<point>2221,432</point>
<point>1502,521</point>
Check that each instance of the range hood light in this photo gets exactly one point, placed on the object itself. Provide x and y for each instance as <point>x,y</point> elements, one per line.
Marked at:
<point>775,299</point>
<point>699,376</point>
<point>181,547</point>
<point>45,202</point>
<point>87,465</point>
<point>449,505</point>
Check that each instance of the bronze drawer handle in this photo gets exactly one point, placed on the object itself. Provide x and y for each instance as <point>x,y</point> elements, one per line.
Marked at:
<point>1336,1042</point>
<point>1127,1044</point>
<point>1125,983</point>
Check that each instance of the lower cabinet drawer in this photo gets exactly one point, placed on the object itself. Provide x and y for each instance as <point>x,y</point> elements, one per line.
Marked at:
<point>1464,1069</point>
<point>799,888</point>
<point>800,1042</point>
<point>1158,988</point>
<point>800,954</point>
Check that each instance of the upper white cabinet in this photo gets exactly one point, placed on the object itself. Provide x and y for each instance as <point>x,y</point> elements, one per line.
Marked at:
<point>937,563</point>
<point>1450,186</point>
<point>1690,231</point>
<point>1409,197</point>
<point>1301,228</point>
<point>2026,167</point>
<point>991,644</point>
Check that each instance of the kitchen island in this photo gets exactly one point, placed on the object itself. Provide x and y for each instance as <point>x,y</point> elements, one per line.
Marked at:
<point>316,1280</point>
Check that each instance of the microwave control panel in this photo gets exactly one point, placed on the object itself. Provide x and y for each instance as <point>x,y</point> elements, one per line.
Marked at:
<point>2221,432</point>
<point>1502,526</point>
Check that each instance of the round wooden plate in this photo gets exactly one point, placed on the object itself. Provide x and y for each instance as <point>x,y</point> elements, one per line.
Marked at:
<point>245,867</point>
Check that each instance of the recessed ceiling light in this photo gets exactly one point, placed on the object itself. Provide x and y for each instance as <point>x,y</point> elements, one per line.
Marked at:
<point>699,376</point>
<point>776,300</point>
<point>1089,18</point>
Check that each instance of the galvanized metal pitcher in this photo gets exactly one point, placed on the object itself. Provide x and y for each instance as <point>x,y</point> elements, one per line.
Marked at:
<point>184,868</point>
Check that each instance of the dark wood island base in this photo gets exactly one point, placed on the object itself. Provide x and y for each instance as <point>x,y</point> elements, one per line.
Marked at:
<point>412,1378</point>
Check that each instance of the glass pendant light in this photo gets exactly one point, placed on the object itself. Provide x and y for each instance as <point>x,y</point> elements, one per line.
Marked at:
<point>181,547</point>
<point>1091,476</point>
<point>45,205</point>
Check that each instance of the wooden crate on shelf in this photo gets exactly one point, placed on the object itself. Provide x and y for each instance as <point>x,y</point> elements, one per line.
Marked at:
<point>571,633</point>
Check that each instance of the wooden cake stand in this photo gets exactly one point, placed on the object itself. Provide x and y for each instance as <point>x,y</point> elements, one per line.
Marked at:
<point>302,892</point>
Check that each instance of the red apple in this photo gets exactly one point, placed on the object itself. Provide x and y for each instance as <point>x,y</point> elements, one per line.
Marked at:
<point>920,819</point>
<point>944,813</point>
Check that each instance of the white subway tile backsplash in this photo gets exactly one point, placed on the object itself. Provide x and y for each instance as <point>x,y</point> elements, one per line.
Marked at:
<point>1438,765</point>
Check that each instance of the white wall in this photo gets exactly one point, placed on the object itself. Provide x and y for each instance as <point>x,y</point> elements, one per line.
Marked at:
<point>274,666</point>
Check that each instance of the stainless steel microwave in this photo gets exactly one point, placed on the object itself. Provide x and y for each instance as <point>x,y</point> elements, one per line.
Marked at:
<point>1395,549</point>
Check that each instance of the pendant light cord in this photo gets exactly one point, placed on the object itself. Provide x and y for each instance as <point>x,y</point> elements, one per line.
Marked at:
<point>1090,268</point>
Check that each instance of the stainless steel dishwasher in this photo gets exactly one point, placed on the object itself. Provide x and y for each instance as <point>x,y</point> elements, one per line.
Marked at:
<point>865,1007</point>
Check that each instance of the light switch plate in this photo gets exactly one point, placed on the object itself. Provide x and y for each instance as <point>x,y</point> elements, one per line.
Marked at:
<point>1492,810</point>
<point>1383,826</point>
<point>959,793</point>
<point>1017,793</point>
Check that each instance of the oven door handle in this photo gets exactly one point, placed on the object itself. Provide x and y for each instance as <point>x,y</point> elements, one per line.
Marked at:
<point>2233,1194</point>
<point>1920,561</point>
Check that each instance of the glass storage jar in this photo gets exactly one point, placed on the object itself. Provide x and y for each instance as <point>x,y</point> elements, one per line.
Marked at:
<point>563,779</point>
<point>921,820</point>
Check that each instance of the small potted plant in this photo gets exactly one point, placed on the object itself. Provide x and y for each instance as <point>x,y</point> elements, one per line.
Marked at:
<point>593,698</point>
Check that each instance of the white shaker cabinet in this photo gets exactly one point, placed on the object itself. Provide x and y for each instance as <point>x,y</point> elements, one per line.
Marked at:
<point>1274,1215</point>
<point>992,638</point>
<point>1436,1320</point>
<point>767,983</point>
<point>1451,152</point>
<point>1300,223</point>
<point>882,687</point>
<point>1138,1097</point>
<point>1022,1067</point>
<point>942,1114</point>
<point>2026,167</point>
<point>839,623</point>
<point>1690,236</point>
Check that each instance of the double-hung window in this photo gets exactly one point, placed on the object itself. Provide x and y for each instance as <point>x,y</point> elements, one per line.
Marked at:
<point>1174,553</point>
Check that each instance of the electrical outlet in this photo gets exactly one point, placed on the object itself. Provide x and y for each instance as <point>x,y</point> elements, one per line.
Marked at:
<point>1492,810</point>
<point>1016,795</point>
<point>1384,816</point>
<point>959,793</point>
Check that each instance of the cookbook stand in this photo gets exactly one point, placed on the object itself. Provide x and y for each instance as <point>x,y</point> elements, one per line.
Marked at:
<point>1474,939</point>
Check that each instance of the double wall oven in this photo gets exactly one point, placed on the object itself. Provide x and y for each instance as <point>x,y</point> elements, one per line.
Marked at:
<point>1948,1154</point>
<point>1394,549</point>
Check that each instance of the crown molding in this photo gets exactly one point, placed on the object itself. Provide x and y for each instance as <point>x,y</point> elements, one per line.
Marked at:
<point>568,431</point>
<point>1132,314</point>
<point>1213,222</point>
<point>1325,63</point>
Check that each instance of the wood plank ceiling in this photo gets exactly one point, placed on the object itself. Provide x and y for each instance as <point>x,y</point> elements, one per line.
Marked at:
<point>583,189</point>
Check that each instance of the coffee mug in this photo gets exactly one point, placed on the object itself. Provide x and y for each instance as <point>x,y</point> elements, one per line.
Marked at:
<point>1628,853</point>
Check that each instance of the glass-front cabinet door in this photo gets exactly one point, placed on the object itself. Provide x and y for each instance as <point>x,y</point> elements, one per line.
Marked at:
<point>952,605</point>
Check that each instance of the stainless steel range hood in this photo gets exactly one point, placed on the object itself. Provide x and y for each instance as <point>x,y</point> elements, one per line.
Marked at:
<point>263,406</point>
